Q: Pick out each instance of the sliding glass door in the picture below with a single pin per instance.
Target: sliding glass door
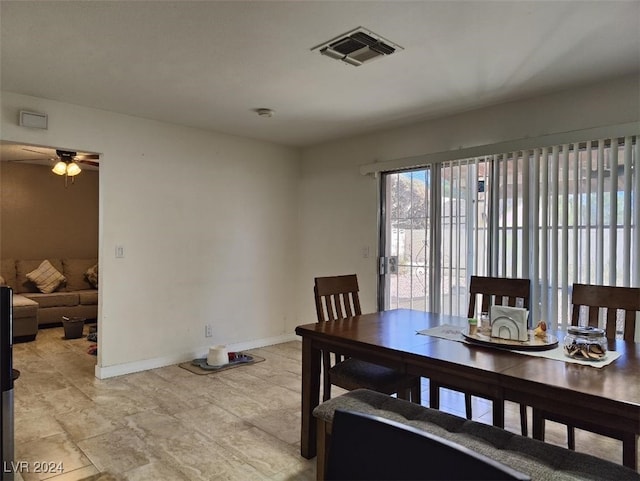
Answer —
(557, 215)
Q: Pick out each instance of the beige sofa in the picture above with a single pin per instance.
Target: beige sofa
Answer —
(75, 297)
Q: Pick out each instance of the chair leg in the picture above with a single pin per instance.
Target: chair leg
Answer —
(571, 438)
(326, 389)
(467, 405)
(416, 393)
(434, 395)
(523, 420)
(538, 425)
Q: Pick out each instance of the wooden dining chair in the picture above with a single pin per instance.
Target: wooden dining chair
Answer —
(491, 291)
(337, 298)
(593, 298)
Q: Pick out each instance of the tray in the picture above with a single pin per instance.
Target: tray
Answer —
(239, 359)
(532, 344)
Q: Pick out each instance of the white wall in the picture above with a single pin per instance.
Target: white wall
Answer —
(208, 224)
(339, 206)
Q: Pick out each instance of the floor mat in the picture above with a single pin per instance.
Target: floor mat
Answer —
(196, 369)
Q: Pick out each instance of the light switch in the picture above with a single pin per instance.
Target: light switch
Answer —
(119, 252)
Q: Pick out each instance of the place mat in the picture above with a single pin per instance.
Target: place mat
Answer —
(557, 354)
(189, 366)
(445, 331)
(454, 333)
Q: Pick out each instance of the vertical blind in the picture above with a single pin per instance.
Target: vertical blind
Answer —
(558, 215)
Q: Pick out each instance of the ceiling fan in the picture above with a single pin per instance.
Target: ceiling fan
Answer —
(68, 162)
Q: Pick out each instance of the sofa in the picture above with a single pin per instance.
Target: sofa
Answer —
(540, 461)
(73, 294)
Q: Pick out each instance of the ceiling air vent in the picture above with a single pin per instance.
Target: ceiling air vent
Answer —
(357, 47)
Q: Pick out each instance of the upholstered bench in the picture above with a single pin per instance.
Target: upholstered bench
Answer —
(541, 461)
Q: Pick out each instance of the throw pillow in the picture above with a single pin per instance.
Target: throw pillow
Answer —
(46, 277)
(92, 276)
(2, 281)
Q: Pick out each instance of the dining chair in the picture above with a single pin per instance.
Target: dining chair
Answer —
(337, 298)
(593, 298)
(491, 291)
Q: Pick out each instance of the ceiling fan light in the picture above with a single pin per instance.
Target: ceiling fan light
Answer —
(60, 168)
(73, 169)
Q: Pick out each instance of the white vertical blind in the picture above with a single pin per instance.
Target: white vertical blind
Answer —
(556, 215)
(565, 214)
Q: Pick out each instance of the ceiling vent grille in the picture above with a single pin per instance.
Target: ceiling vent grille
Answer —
(357, 46)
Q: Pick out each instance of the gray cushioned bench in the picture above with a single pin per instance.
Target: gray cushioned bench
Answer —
(539, 460)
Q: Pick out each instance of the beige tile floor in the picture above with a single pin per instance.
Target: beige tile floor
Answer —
(170, 424)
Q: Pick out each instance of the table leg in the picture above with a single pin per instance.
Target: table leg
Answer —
(630, 451)
(310, 397)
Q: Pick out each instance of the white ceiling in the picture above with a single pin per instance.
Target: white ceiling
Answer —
(209, 64)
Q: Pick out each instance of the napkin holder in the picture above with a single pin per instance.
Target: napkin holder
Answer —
(509, 323)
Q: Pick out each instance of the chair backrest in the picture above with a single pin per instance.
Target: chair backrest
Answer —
(370, 447)
(336, 297)
(611, 299)
(494, 291)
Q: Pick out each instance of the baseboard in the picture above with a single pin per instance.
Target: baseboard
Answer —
(146, 364)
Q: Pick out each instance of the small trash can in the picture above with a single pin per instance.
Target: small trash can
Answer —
(73, 327)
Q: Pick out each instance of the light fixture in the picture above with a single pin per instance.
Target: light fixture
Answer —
(66, 166)
(73, 169)
(60, 168)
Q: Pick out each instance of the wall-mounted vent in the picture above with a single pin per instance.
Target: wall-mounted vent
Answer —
(357, 46)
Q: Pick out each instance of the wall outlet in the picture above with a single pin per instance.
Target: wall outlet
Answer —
(208, 330)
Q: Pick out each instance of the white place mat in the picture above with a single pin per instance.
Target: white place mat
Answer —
(557, 354)
(454, 333)
(445, 331)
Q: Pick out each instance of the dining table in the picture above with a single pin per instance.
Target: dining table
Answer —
(605, 400)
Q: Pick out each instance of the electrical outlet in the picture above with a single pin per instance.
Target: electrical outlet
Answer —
(208, 330)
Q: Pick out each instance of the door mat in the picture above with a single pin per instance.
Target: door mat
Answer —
(194, 366)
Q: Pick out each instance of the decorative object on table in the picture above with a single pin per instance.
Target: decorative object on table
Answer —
(218, 356)
(587, 343)
(533, 343)
(509, 323)
(473, 326)
(236, 359)
(540, 330)
(485, 322)
(73, 327)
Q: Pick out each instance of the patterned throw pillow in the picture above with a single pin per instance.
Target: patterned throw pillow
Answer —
(46, 277)
(92, 276)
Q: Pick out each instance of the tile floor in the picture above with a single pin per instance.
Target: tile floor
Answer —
(170, 424)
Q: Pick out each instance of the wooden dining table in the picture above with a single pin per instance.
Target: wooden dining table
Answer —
(604, 400)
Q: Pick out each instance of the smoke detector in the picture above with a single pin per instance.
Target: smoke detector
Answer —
(265, 112)
(357, 46)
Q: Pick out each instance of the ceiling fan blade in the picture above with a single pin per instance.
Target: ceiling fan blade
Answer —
(30, 160)
(36, 151)
(88, 162)
(86, 157)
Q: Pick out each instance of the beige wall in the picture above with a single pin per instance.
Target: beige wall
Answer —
(208, 225)
(43, 219)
